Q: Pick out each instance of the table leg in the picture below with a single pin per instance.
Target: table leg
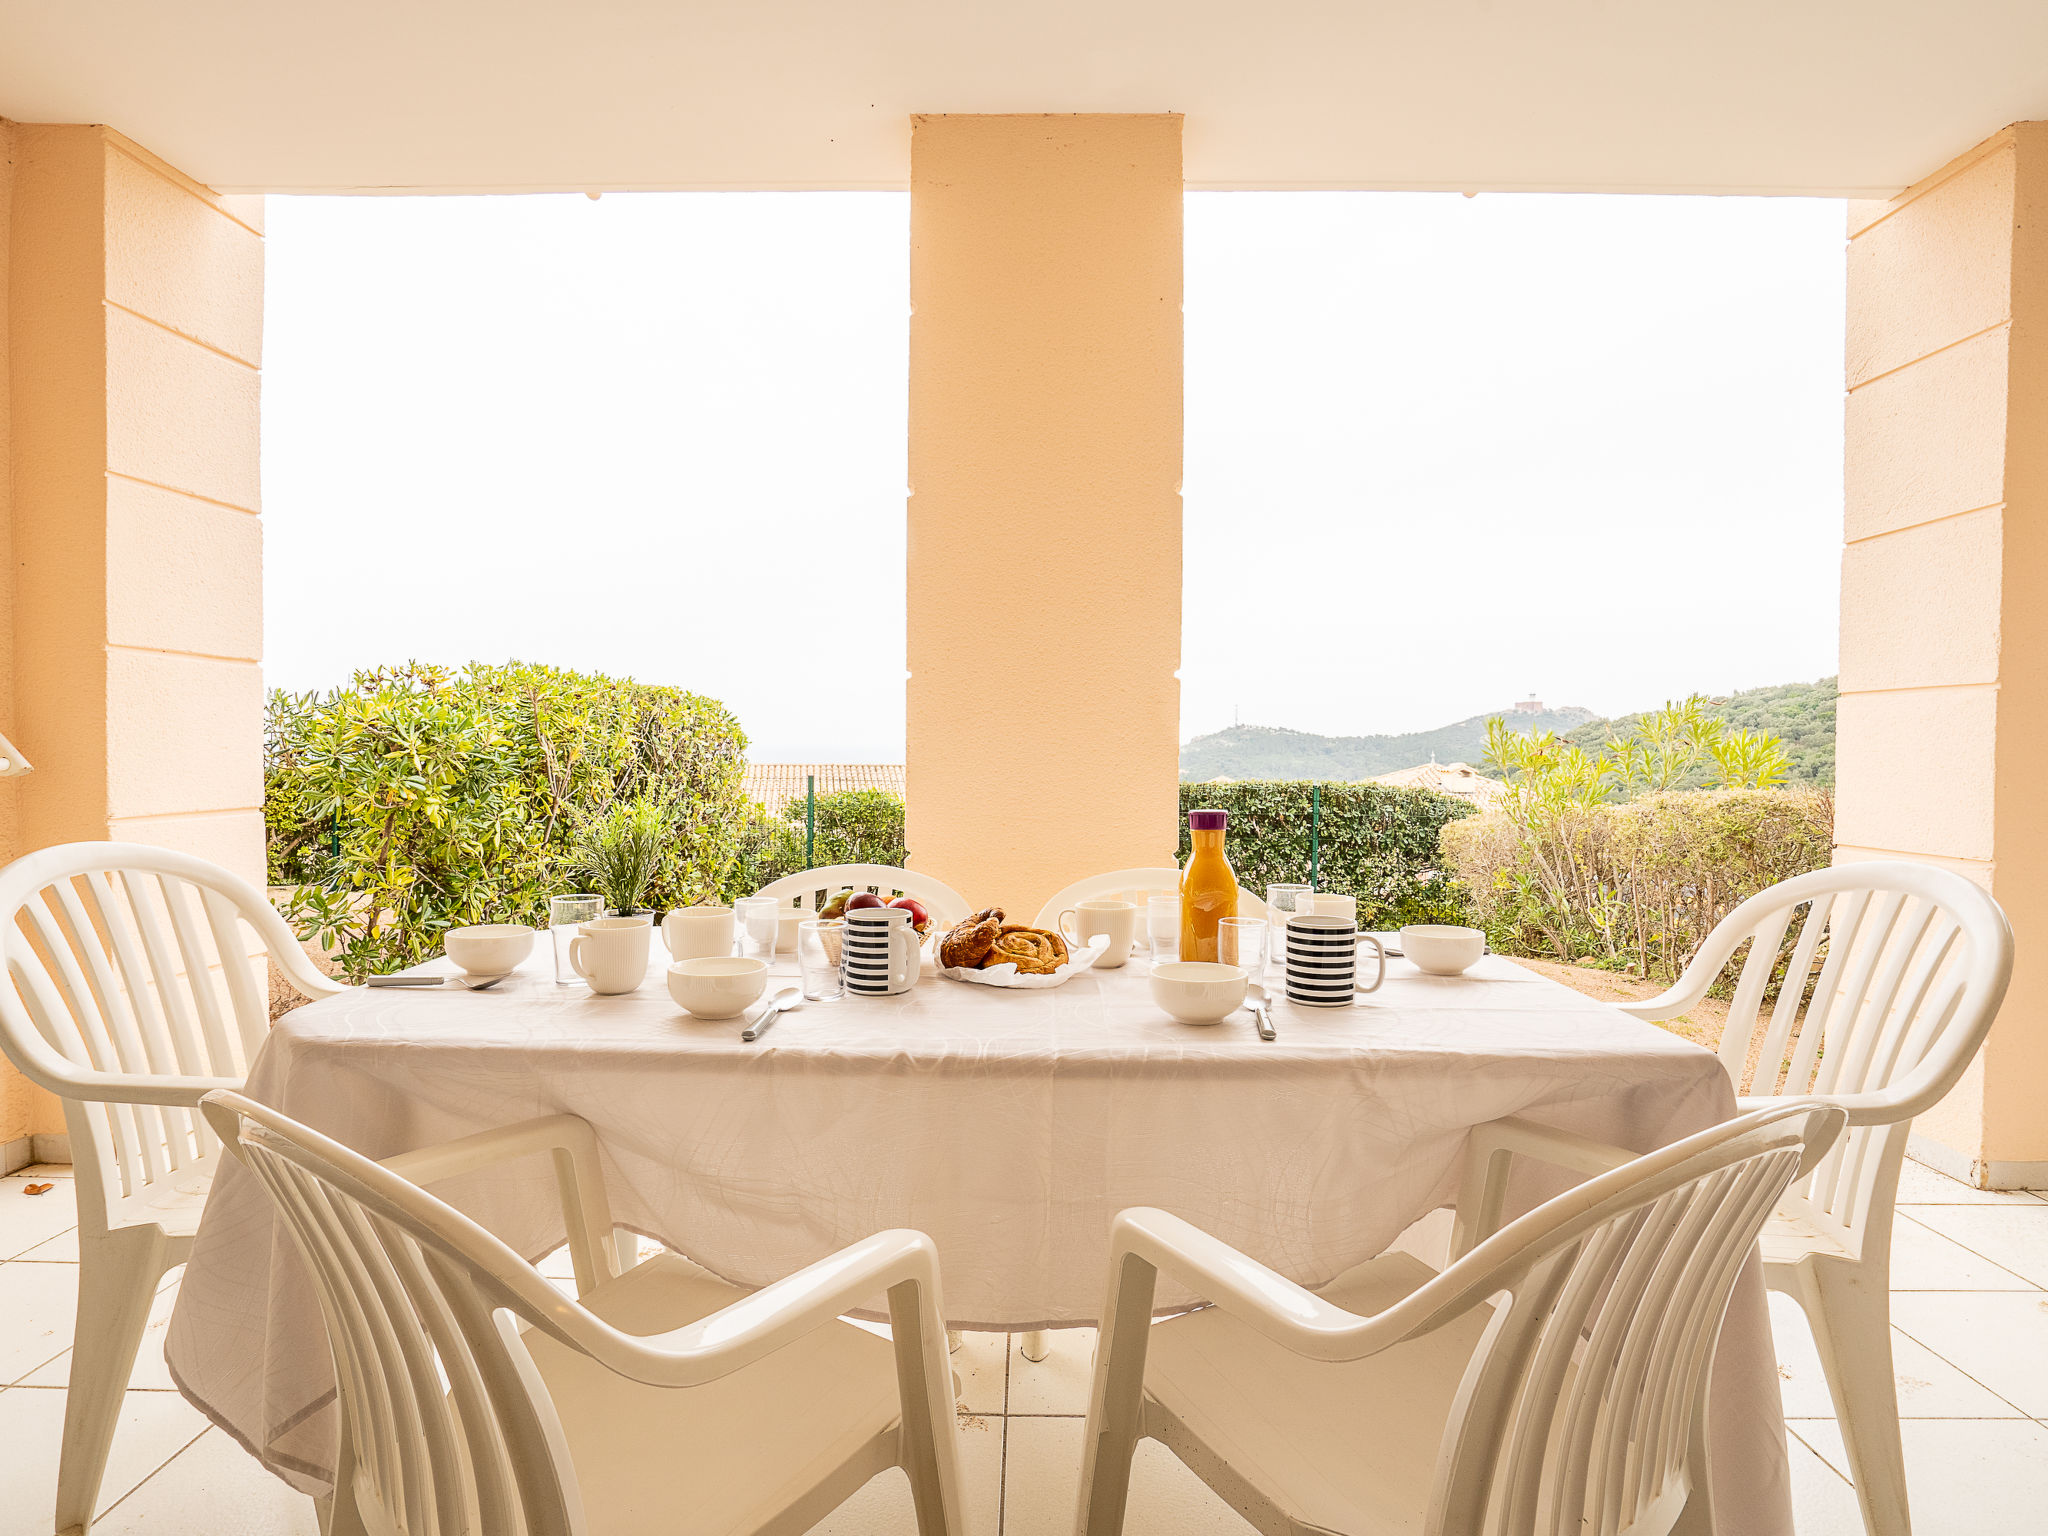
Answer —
(1035, 1346)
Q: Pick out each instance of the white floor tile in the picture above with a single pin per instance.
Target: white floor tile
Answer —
(1823, 1503)
(1998, 1337)
(1059, 1383)
(61, 1249)
(1042, 1481)
(1964, 1477)
(26, 1220)
(1929, 1387)
(37, 1303)
(981, 1366)
(153, 1427)
(2013, 1236)
(1925, 1260)
(883, 1508)
(151, 1374)
(1921, 1185)
(215, 1486)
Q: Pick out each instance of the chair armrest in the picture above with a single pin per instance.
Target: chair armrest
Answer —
(1887, 1107)
(778, 1314)
(579, 1181)
(1483, 1190)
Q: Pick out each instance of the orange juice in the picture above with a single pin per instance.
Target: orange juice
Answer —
(1208, 886)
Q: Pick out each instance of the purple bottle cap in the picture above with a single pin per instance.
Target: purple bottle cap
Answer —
(1208, 821)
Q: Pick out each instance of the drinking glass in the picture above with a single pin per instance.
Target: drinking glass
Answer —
(817, 958)
(1162, 925)
(758, 919)
(1283, 901)
(564, 913)
(1242, 941)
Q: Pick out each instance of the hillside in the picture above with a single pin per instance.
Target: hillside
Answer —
(1270, 752)
(1800, 714)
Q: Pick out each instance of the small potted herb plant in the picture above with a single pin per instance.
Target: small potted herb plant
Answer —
(619, 848)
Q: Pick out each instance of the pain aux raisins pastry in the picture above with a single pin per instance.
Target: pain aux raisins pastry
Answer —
(1034, 951)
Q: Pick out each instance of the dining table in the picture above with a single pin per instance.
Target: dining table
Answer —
(1009, 1124)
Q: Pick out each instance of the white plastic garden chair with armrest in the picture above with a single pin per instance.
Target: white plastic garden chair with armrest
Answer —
(1912, 965)
(1552, 1379)
(812, 888)
(131, 992)
(1132, 885)
(660, 1402)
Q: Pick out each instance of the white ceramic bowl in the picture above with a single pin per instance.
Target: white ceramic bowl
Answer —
(721, 987)
(1198, 991)
(1441, 949)
(488, 949)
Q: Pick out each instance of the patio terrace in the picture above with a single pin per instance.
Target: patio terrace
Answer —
(1969, 1300)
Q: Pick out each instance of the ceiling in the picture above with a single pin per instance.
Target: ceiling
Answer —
(1827, 97)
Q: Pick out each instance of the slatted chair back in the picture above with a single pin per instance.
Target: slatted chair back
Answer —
(1132, 885)
(133, 986)
(812, 888)
(449, 1429)
(1583, 1405)
(1871, 985)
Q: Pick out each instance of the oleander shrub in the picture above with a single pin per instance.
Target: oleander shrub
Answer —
(1376, 842)
(854, 826)
(420, 798)
(1636, 884)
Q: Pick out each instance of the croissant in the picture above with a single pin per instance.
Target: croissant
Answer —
(968, 941)
(1034, 951)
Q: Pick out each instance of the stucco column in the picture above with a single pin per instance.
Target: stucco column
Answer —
(1943, 726)
(1045, 521)
(132, 341)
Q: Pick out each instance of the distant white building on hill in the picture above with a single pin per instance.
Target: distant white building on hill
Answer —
(1459, 780)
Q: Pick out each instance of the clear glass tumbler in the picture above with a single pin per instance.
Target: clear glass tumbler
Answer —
(1283, 901)
(758, 919)
(817, 958)
(564, 913)
(1243, 941)
(1162, 925)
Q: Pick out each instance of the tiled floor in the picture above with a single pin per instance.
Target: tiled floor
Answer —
(1970, 1306)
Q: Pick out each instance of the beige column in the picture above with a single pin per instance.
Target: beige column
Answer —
(1943, 726)
(134, 322)
(1045, 520)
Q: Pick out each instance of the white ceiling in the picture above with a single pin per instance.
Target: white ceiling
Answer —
(1831, 97)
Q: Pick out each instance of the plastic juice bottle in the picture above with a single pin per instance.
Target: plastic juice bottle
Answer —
(1208, 886)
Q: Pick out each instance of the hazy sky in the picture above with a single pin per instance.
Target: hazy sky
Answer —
(1441, 452)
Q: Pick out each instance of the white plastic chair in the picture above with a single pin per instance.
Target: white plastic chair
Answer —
(1406, 1400)
(812, 888)
(131, 992)
(1133, 885)
(478, 1398)
(1912, 964)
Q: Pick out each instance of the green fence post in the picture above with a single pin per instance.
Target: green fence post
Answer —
(810, 819)
(1315, 834)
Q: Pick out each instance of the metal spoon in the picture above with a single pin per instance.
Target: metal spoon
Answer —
(1260, 1005)
(780, 1003)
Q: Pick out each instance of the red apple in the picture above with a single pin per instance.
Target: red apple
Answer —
(860, 899)
(920, 919)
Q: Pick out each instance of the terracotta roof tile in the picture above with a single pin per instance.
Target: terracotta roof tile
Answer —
(776, 784)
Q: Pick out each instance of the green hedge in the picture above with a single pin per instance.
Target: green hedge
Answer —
(1377, 842)
(1636, 885)
(854, 826)
(421, 798)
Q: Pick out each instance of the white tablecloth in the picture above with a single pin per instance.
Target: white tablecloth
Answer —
(1010, 1125)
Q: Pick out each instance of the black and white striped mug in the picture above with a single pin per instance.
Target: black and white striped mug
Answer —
(878, 952)
(1322, 960)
